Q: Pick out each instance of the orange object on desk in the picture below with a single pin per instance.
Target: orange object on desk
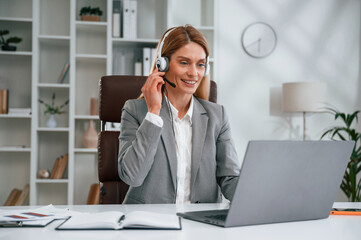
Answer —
(354, 213)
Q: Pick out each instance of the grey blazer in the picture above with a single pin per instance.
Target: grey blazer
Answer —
(147, 159)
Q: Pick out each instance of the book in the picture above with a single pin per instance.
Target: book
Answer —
(18, 197)
(55, 169)
(63, 73)
(13, 196)
(93, 197)
(4, 101)
(117, 10)
(116, 220)
(63, 162)
(1, 101)
(23, 196)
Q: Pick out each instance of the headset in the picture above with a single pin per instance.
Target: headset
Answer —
(162, 63)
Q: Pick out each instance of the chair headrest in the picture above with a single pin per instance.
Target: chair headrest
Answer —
(114, 91)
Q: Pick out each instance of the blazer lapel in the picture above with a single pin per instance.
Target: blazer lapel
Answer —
(199, 130)
(167, 137)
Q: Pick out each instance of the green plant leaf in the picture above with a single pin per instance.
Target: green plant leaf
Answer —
(326, 133)
(13, 40)
(351, 183)
(4, 32)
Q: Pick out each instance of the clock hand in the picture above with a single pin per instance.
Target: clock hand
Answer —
(259, 44)
(253, 43)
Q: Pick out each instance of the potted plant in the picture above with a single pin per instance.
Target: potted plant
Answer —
(53, 110)
(351, 184)
(5, 43)
(90, 14)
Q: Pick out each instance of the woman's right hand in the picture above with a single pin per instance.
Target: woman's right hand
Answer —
(152, 91)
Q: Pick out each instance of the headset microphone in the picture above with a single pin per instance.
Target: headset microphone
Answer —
(170, 83)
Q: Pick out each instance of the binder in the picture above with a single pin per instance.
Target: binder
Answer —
(126, 19)
(146, 61)
(138, 68)
(133, 19)
(117, 18)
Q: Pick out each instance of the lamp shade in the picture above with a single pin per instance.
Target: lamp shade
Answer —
(303, 96)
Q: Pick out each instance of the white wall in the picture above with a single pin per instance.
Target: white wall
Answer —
(318, 40)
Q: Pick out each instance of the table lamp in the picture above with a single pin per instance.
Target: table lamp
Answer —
(305, 97)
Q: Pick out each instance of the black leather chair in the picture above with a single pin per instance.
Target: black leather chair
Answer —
(114, 91)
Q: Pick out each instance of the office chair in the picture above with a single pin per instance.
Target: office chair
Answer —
(114, 91)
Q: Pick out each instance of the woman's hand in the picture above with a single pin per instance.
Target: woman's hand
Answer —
(152, 91)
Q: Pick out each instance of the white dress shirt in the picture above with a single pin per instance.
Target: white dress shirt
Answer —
(183, 140)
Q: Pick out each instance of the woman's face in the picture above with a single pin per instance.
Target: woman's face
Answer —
(187, 67)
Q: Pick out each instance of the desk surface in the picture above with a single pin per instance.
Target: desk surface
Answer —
(334, 227)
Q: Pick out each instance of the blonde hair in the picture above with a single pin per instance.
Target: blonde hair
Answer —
(179, 37)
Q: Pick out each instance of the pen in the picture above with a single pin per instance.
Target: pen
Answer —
(345, 213)
(121, 219)
(11, 223)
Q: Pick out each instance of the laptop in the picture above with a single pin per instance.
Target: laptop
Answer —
(283, 181)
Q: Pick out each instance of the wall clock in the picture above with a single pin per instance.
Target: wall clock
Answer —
(259, 40)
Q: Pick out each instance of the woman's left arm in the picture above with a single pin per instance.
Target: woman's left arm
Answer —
(227, 160)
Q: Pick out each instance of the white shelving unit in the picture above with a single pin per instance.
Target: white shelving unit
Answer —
(54, 35)
(16, 75)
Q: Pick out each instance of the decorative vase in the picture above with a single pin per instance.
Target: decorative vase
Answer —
(94, 106)
(90, 137)
(51, 122)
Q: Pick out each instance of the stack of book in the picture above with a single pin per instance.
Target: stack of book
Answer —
(125, 18)
(20, 111)
(18, 197)
(59, 167)
(4, 101)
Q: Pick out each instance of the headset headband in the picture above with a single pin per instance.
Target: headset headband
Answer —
(162, 42)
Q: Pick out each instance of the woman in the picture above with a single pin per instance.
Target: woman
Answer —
(174, 145)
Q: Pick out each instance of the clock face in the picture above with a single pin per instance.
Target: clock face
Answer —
(259, 40)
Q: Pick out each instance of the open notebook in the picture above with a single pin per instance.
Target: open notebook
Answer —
(116, 220)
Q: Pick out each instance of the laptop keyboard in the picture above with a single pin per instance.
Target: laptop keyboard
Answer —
(221, 217)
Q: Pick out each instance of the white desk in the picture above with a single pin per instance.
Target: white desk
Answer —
(334, 227)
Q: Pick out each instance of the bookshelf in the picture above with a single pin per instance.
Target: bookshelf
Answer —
(53, 35)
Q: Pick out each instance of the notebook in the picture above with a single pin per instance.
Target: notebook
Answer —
(116, 220)
(283, 181)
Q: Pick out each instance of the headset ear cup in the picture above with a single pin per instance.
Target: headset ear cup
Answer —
(166, 65)
(207, 69)
(163, 64)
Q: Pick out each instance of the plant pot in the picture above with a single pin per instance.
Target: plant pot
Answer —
(90, 18)
(8, 48)
(51, 122)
